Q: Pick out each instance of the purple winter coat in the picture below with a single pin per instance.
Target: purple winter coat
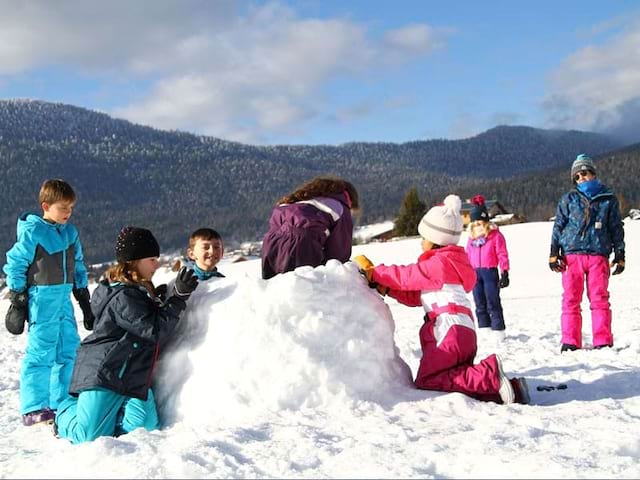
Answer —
(309, 232)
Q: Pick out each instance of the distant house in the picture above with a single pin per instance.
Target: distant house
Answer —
(377, 232)
(497, 213)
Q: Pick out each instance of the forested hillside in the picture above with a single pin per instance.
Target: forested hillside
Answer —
(174, 182)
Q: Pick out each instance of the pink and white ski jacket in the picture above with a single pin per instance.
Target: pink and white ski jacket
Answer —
(439, 281)
(492, 253)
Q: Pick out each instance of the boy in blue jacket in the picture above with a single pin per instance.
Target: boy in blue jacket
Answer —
(43, 268)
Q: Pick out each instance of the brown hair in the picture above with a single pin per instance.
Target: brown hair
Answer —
(126, 272)
(56, 190)
(204, 234)
(320, 186)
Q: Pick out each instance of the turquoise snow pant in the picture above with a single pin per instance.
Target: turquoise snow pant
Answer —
(52, 342)
(103, 413)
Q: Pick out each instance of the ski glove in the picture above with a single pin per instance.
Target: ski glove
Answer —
(366, 268)
(83, 298)
(504, 280)
(161, 292)
(556, 260)
(18, 312)
(618, 261)
(186, 283)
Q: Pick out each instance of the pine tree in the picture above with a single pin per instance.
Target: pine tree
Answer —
(410, 214)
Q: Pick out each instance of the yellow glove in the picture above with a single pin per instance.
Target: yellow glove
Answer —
(365, 265)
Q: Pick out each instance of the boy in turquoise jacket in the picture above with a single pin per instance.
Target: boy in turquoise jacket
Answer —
(43, 268)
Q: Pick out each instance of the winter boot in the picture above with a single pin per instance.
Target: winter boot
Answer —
(568, 347)
(44, 416)
(506, 389)
(521, 390)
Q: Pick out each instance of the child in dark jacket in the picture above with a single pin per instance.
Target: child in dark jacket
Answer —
(487, 250)
(111, 384)
(310, 226)
(43, 268)
(439, 282)
(587, 228)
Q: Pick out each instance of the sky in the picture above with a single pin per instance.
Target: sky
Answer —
(330, 72)
(306, 376)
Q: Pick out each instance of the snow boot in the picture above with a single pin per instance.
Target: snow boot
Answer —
(506, 389)
(568, 347)
(44, 416)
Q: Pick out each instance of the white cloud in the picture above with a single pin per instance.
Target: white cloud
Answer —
(221, 68)
(598, 87)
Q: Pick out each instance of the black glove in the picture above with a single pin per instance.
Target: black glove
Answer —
(18, 312)
(618, 261)
(556, 260)
(84, 300)
(504, 280)
(161, 291)
(186, 283)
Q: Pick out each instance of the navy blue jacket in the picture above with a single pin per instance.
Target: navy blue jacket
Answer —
(588, 226)
(130, 329)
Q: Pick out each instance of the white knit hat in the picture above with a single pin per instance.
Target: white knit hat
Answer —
(442, 224)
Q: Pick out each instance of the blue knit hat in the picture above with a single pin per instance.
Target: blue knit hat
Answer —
(582, 163)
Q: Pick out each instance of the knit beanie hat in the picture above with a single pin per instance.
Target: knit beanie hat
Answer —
(442, 224)
(582, 163)
(136, 243)
(479, 209)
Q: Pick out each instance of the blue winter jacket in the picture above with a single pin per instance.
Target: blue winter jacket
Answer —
(588, 226)
(45, 254)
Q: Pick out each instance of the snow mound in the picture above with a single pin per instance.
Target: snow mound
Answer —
(315, 337)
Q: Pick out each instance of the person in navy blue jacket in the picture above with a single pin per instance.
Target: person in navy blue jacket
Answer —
(43, 268)
(587, 228)
(110, 391)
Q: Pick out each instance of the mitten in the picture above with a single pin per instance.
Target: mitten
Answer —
(186, 283)
(504, 280)
(618, 261)
(83, 298)
(365, 265)
(18, 312)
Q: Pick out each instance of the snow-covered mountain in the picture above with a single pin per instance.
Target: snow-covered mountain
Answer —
(305, 376)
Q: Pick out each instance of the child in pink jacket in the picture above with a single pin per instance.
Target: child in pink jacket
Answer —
(487, 250)
(439, 282)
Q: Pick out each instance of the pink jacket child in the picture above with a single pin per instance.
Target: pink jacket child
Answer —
(439, 282)
(487, 250)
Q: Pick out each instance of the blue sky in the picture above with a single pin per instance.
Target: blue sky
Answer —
(312, 72)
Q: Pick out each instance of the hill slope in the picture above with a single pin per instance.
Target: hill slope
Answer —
(174, 182)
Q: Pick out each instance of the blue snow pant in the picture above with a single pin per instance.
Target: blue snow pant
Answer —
(103, 413)
(486, 295)
(52, 343)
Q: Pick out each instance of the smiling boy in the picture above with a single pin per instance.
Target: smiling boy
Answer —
(205, 251)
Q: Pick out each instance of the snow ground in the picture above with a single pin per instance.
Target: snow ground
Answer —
(305, 376)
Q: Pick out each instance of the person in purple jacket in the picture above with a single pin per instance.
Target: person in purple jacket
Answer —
(487, 250)
(310, 226)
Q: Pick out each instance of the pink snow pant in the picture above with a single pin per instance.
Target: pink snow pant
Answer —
(596, 270)
(449, 367)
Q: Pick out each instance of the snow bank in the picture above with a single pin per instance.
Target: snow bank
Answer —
(313, 338)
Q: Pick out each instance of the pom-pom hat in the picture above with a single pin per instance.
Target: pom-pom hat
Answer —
(135, 243)
(582, 163)
(479, 209)
(442, 224)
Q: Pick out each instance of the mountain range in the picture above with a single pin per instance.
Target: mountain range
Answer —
(174, 182)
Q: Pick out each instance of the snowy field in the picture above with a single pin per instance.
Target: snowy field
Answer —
(305, 376)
